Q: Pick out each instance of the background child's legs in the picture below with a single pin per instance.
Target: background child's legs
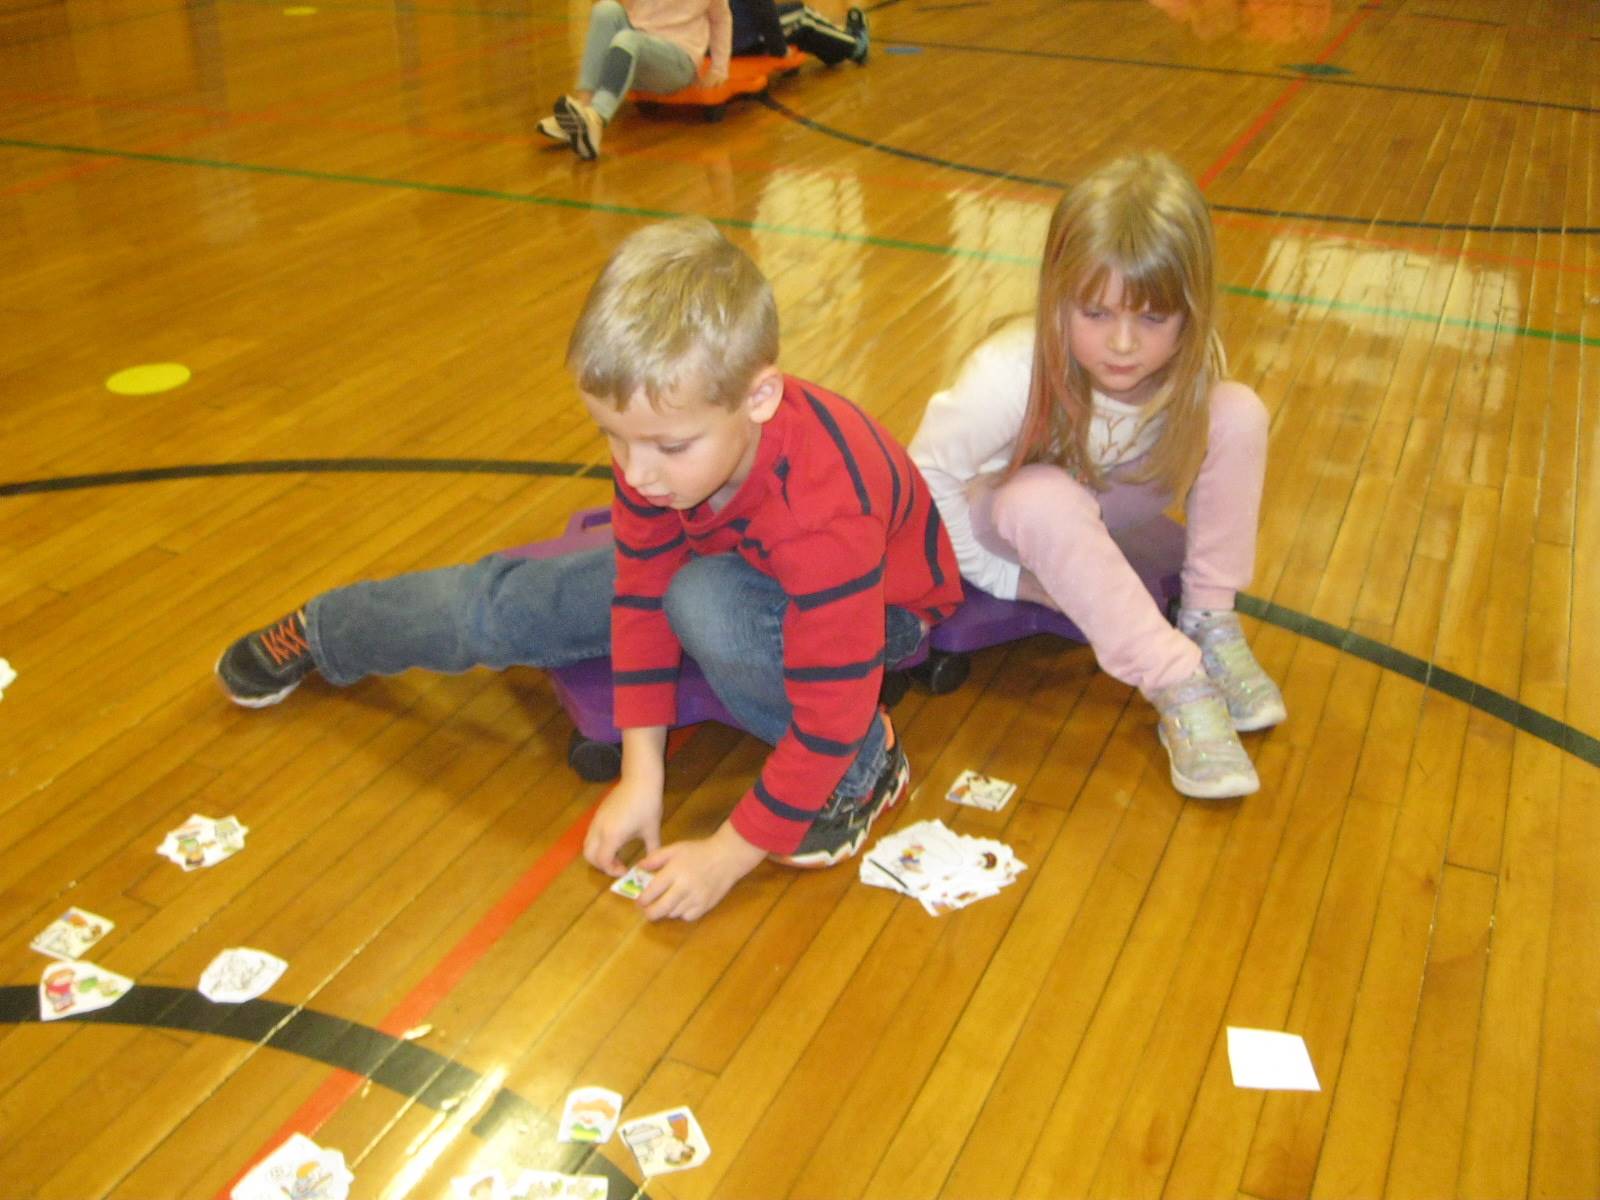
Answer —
(1224, 507)
(1057, 531)
(729, 618)
(616, 56)
(496, 612)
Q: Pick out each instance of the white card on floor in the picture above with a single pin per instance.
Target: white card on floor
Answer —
(1263, 1058)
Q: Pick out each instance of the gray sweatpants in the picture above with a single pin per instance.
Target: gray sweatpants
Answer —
(616, 56)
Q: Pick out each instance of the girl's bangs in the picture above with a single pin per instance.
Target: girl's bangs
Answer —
(1152, 283)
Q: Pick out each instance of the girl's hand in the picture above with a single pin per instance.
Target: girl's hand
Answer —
(714, 76)
(691, 877)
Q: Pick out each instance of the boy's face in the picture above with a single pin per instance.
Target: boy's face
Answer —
(685, 451)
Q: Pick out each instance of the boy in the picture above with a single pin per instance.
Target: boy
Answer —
(769, 529)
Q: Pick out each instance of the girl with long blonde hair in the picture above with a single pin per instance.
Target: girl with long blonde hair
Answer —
(1061, 435)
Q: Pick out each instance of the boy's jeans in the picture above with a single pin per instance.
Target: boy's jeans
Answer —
(549, 612)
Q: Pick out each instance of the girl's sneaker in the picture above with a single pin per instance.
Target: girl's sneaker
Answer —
(263, 667)
(1254, 701)
(551, 128)
(582, 124)
(1208, 759)
(841, 827)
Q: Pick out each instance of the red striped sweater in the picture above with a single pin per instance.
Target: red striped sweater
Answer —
(834, 510)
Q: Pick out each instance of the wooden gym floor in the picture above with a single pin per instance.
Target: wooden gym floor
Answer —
(340, 219)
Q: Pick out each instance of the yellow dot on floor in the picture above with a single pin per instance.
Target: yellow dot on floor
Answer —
(299, 10)
(148, 379)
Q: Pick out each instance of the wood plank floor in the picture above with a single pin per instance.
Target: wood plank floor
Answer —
(340, 218)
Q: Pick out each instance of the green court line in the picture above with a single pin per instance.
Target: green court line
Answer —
(799, 231)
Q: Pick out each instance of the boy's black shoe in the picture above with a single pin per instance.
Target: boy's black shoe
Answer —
(855, 24)
(841, 827)
(263, 667)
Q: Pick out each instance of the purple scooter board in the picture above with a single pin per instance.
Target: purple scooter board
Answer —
(940, 664)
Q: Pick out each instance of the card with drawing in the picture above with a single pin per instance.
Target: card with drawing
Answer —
(203, 842)
(69, 988)
(240, 974)
(977, 790)
(297, 1170)
(71, 934)
(666, 1141)
(590, 1115)
(632, 884)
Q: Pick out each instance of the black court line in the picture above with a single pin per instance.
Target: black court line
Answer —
(1248, 73)
(405, 1068)
(1516, 714)
(309, 466)
(1286, 214)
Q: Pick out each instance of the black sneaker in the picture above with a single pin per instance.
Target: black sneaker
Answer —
(855, 24)
(263, 667)
(842, 825)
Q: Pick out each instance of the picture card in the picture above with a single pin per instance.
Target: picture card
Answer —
(240, 974)
(666, 1141)
(589, 1116)
(632, 884)
(69, 988)
(72, 933)
(480, 1185)
(1264, 1058)
(552, 1185)
(297, 1170)
(977, 790)
(203, 842)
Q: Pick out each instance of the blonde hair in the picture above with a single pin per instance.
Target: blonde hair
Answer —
(1143, 218)
(676, 306)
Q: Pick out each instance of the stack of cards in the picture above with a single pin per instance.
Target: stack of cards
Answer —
(70, 934)
(203, 842)
(980, 791)
(297, 1170)
(940, 869)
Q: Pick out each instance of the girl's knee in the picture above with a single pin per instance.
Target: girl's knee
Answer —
(1039, 494)
(628, 41)
(608, 10)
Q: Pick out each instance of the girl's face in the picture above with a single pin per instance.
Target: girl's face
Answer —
(1124, 350)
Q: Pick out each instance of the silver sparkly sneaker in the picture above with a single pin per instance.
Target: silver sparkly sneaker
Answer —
(1208, 759)
(1254, 701)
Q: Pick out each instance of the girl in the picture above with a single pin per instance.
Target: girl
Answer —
(1064, 432)
(656, 43)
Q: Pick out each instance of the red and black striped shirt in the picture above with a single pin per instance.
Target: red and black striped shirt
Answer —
(835, 511)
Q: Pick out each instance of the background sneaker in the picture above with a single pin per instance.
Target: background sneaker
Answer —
(263, 667)
(551, 128)
(1208, 760)
(1254, 701)
(855, 24)
(582, 125)
(841, 827)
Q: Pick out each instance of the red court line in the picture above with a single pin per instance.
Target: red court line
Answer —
(329, 1098)
(1294, 89)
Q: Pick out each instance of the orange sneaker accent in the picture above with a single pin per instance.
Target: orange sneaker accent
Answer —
(284, 640)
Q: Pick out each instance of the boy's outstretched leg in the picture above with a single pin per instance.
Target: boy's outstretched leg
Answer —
(498, 612)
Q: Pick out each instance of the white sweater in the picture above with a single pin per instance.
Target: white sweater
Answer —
(970, 429)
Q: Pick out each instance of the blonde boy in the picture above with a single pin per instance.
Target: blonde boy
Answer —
(766, 527)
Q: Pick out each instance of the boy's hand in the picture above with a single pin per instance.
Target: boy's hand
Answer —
(626, 813)
(632, 809)
(691, 877)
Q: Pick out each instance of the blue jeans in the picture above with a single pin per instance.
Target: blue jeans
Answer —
(549, 612)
